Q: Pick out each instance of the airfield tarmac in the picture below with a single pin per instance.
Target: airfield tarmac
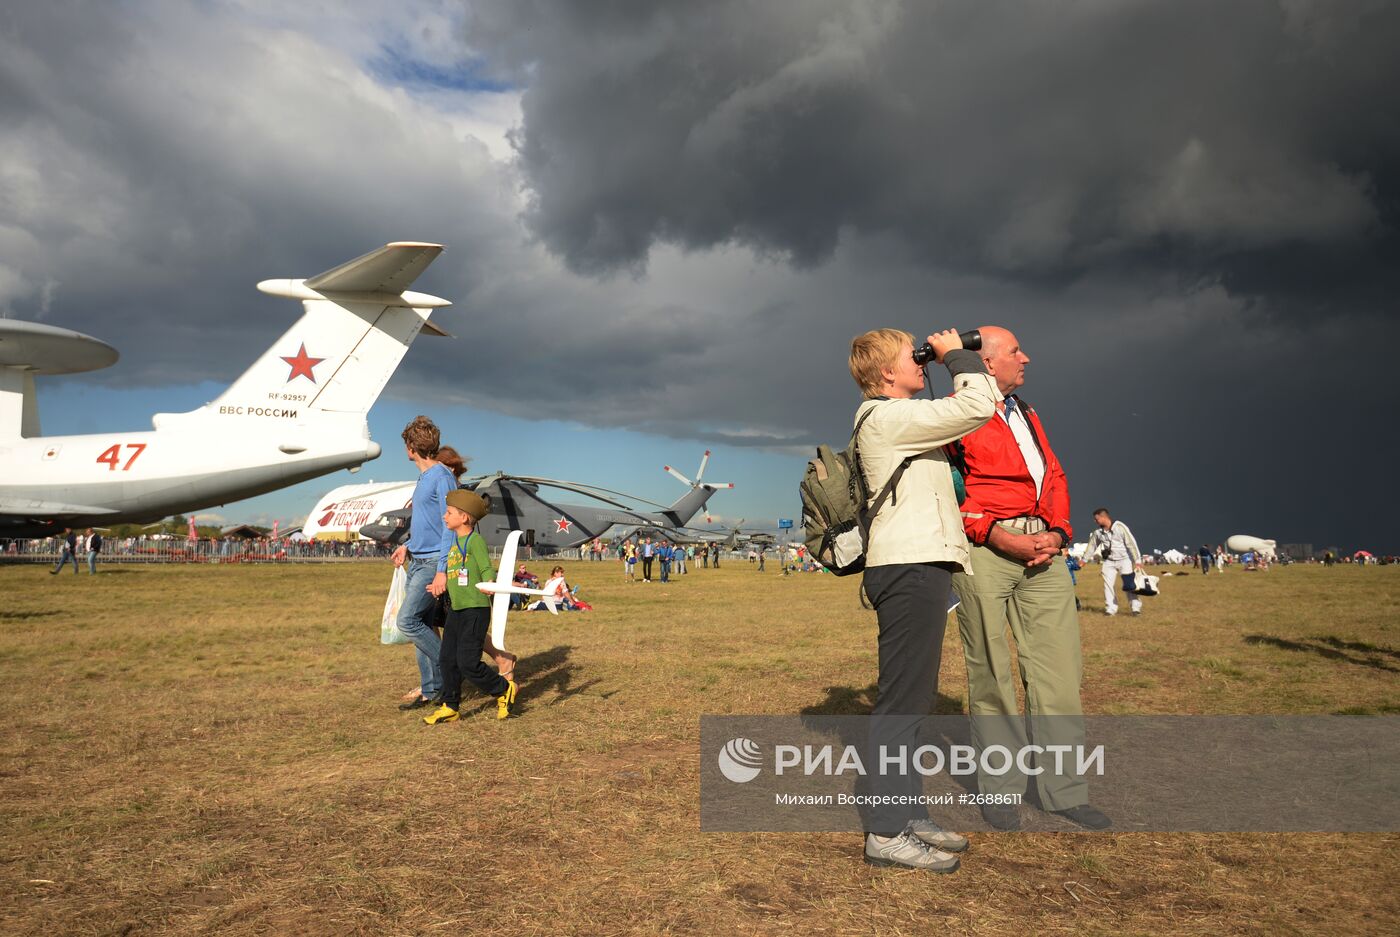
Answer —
(217, 750)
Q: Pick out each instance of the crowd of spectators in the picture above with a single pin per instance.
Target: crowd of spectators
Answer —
(202, 550)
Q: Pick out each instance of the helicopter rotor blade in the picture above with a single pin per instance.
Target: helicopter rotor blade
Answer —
(700, 472)
(597, 497)
(679, 477)
(591, 491)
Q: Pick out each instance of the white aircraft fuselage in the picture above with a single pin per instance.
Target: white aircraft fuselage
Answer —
(116, 478)
(298, 413)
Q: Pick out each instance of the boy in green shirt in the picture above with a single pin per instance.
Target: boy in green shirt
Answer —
(464, 633)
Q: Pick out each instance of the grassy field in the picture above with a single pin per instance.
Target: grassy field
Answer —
(218, 750)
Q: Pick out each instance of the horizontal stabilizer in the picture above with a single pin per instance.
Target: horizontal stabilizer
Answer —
(390, 269)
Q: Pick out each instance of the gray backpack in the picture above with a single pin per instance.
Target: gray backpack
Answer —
(835, 524)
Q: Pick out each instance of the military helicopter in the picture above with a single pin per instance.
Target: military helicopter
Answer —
(518, 502)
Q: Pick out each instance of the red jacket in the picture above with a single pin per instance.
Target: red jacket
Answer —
(1000, 486)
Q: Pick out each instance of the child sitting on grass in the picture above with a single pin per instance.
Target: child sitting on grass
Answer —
(563, 596)
(464, 633)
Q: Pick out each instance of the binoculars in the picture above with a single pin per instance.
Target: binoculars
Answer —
(971, 339)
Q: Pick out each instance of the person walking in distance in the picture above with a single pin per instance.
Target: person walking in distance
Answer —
(94, 547)
(1118, 555)
(70, 552)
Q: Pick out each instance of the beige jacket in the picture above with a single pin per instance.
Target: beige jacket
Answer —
(920, 522)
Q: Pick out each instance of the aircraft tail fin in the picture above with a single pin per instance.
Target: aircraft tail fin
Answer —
(733, 539)
(690, 503)
(358, 322)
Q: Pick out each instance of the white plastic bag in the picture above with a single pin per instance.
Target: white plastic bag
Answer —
(389, 632)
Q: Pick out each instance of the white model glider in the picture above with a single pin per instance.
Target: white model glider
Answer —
(504, 587)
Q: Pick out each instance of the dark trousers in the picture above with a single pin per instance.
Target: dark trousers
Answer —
(911, 605)
(463, 637)
(646, 566)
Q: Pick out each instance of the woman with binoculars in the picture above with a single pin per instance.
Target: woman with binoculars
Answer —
(915, 544)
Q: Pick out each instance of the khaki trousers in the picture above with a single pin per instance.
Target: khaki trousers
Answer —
(1038, 606)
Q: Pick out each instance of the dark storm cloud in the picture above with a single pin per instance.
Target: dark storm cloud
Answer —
(164, 160)
(1028, 141)
(1185, 211)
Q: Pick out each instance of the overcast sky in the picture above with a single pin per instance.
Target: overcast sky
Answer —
(665, 222)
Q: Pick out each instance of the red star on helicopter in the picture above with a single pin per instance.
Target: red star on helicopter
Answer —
(562, 525)
(302, 364)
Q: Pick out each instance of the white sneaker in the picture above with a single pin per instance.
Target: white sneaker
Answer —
(936, 836)
(908, 851)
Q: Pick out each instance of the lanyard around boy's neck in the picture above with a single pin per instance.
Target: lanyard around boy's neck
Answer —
(462, 544)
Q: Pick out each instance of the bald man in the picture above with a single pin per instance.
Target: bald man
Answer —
(1016, 516)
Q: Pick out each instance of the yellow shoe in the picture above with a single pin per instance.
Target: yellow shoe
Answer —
(443, 713)
(505, 699)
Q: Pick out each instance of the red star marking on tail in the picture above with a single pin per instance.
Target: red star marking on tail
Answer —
(562, 525)
(302, 364)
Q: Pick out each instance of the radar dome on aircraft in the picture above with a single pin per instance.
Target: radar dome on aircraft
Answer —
(30, 348)
(45, 349)
(1243, 543)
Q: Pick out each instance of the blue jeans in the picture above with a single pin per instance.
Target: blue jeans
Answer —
(63, 561)
(415, 621)
(92, 561)
(665, 570)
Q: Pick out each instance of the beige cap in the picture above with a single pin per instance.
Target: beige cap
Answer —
(469, 502)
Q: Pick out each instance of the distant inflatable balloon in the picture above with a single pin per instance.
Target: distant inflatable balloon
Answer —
(1243, 543)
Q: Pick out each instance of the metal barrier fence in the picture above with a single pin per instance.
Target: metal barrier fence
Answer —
(152, 550)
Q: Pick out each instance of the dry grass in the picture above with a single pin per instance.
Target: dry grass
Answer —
(218, 751)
